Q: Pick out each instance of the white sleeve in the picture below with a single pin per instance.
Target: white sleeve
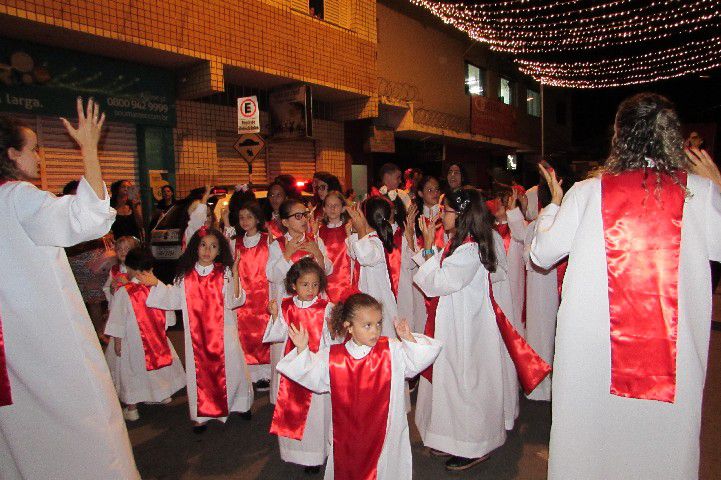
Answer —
(517, 224)
(197, 220)
(107, 288)
(420, 355)
(166, 297)
(307, 368)
(326, 340)
(231, 301)
(713, 222)
(276, 331)
(64, 221)
(369, 251)
(277, 267)
(456, 272)
(532, 208)
(119, 311)
(328, 264)
(555, 230)
(349, 242)
(501, 272)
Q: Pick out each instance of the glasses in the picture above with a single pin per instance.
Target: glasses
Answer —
(299, 215)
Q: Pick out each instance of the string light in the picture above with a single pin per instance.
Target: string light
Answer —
(540, 27)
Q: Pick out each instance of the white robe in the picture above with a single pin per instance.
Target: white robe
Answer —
(65, 421)
(596, 435)
(237, 378)
(197, 219)
(133, 382)
(462, 411)
(541, 310)
(108, 287)
(276, 270)
(312, 450)
(532, 208)
(517, 264)
(408, 359)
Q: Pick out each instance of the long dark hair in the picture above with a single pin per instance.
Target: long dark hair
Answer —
(474, 220)
(647, 135)
(115, 191)
(265, 202)
(419, 201)
(377, 211)
(300, 268)
(254, 208)
(330, 180)
(464, 176)
(11, 136)
(187, 261)
(345, 311)
(238, 198)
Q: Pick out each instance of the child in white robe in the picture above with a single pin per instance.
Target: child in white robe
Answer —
(293, 245)
(207, 292)
(126, 354)
(355, 389)
(307, 281)
(118, 275)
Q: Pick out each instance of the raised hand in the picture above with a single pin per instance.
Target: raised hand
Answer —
(428, 230)
(273, 309)
(512, 199)
(553, 184)
(292, 246)
(358, 220)
(90, 124)
(147, 278)
(703, 165)
(312, 247)
(403, 330)
(225, 214)
(299, 337)
(313, 223)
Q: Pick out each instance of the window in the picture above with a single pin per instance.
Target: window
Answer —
(511, 161)
(475, 81)
(505, 91)
(533, 103)
(315, 8)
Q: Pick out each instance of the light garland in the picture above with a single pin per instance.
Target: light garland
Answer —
(540, 27)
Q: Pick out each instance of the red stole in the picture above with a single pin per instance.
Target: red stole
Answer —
(432, 308)
(393, 261)
(118, 278)
(298, 253)
(5, 393)
(341, 279)
(530, 367)
(151, 323)
(642, 232)
(206, 322)
(274, 229)
(291, 408)
(253, 315)
(360, 393)
(505, 231)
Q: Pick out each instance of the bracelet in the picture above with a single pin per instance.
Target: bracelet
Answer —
(428, 252)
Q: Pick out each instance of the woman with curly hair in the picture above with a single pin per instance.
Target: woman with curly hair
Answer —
(633, 326)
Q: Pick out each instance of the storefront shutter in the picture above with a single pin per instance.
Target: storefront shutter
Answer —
(294, 157)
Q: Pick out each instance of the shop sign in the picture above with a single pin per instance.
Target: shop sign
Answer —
(493, 118)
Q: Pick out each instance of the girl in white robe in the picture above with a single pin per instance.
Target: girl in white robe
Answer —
(413, 353)
(64, 420)
(206, 247)
(118, 274)
(596, 434)
(461, 412)
(306, 280)
(295, 244)
(133, 381)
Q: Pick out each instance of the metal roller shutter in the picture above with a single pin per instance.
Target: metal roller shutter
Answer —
(232, 169)
(294, 157)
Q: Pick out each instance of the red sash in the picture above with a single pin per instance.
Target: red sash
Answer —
(340, 281)
(360, 393)
(253, 315)
(642, 232)
(291, 408)
(530, 367)
(117, 277)
(206, 311)
(505, 231)
(151, 323)
(299, 253)
(274, 229)
(431, 309)
(393, 261)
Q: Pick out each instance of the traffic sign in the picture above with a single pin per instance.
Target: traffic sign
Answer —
(248, 115)
(249, 146)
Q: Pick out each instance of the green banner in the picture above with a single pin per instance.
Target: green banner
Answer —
(36, 79)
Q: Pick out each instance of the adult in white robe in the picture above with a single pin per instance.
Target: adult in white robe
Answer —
(596, 435)
(237, 378)
(462, 411)
(276, 270)
(408, 359)
(133, 381)
(65, 421)
(312, 450)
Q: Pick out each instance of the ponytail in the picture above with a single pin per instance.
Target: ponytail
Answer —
(378, 212)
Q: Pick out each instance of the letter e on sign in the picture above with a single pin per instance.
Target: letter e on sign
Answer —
(248, 115)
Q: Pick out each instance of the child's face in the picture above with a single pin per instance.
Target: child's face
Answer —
(276, 196)
(208, 250)
(392, 179)
(448, 218)
(297, 226)
(499, 211)
(247, 221)
(454, 177)
(121, 250)
(365, 326)
(307, 286)
(333, 208)
(430, 193)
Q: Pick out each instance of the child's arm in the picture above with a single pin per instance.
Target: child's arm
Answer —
(277, 329)
(277, 267)
(164, 297)
(517, 224)
(233, 291)
(419, 351)
(107, 288)
(457, 271)
(307, 368)
(501, 272)
(369, 251)
(117, 318)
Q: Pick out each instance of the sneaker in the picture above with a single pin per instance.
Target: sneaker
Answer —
(262, 385)
(131, 415)
(314, 470)
(457, 464)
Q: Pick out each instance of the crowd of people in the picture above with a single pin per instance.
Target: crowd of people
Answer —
(342, 306)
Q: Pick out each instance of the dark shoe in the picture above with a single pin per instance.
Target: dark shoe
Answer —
(198, 429)
(246, 415)
(456, 464)
(262, 385)
(312, 470)
(438, 453)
